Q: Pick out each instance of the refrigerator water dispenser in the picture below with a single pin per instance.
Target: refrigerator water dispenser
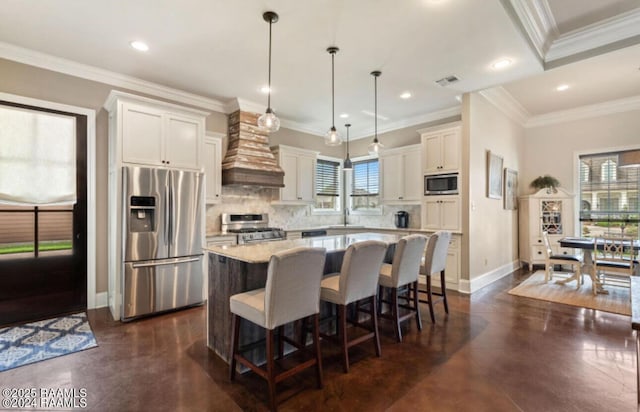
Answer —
(142, 213)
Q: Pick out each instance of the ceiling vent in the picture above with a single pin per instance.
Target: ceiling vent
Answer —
(445, 81)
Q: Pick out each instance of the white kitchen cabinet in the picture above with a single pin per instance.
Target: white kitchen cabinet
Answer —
(213, 167)
(154, 133)
(441, 213)
(401, 175)
(539, 212)
(299, 167)
(441, 150)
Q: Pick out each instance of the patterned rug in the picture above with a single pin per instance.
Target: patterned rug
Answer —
(617, 301)
(46, 339)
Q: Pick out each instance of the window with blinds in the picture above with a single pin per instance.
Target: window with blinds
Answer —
(609, 196)
(327, 185)
(365, 185)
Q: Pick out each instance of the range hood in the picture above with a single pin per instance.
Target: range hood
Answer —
(249, 161)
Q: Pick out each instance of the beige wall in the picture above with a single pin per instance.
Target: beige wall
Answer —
(553, 149)
(490, 239)
(29, 81)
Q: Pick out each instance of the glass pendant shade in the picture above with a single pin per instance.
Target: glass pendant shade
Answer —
(347, 162)
(375, 147)
(333, 138)
(269, 121)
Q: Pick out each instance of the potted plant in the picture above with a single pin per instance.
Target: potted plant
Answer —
(546, 182)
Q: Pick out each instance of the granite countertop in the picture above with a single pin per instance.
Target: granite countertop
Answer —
(635, 303)
(361, 227)
(261, 252)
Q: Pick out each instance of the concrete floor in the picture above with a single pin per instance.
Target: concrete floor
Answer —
(494, 352)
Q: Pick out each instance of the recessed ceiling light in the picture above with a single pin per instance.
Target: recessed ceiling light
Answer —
(265, 89)
(405, 95)
(459, 98)
(344, 115)
(139, 45)
(562, 87)
(501, 64)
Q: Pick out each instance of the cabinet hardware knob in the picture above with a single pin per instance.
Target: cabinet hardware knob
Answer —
(539, 252)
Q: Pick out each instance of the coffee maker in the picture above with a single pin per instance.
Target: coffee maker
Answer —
(402, 219)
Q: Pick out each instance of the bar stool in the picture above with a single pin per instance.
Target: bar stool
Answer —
(435, 260)
(402, 272)
(292, 292)
(357, 280)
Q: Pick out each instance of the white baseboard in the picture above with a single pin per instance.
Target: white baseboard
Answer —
(101, 300)
(488, 278)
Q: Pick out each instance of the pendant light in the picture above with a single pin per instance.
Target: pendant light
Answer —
(375, 147)
(269, 121)
(347, 161)
(332, 138)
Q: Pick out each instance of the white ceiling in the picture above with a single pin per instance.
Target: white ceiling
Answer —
(218, 50)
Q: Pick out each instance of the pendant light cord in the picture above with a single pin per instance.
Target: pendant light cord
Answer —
(269, 94)
(333, 98)
(375, 105)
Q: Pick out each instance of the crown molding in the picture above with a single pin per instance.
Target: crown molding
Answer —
(299, 127)
(60, 65)
(507, 104)
(244, 105)
(534, 20)
(614, 29)
(412, 121)
(585, 112)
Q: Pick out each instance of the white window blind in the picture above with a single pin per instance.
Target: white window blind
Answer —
(365, 183)
(37, 157)
(608, 193)
(327, 178)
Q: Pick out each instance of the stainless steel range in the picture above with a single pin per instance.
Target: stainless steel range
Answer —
(250, 227)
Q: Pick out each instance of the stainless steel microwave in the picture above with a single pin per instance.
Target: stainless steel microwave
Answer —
(446, 184)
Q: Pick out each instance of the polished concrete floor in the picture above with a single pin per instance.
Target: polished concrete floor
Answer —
(494, 352)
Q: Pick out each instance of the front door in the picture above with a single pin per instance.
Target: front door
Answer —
(43, 229)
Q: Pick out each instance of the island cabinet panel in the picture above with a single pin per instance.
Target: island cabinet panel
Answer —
(240, 268)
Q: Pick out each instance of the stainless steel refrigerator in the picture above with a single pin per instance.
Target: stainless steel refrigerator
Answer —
(162, 244)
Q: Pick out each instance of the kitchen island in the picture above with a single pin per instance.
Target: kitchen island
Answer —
(239, 268)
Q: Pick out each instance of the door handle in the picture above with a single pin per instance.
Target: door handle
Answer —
(164, 263)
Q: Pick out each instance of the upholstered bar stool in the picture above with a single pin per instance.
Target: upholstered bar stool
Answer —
(292, 292)
(435, 261)
(403, 272)
(357, 281)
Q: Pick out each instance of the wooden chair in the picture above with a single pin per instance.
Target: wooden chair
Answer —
(435, 261)
(357, 281)
(402, 272)
(615, 260)
(292, 292)
(552, 259)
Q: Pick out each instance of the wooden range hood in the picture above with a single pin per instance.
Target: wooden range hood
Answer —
(249, 161)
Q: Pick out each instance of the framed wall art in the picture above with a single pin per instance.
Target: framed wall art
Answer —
(494, 175)
(510, 189)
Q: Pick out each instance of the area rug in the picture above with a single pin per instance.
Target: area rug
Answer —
(46, 339)
(617, 301)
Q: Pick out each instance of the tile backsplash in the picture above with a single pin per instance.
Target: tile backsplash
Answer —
(236, 199)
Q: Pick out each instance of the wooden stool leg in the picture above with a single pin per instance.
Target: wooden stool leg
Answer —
(443, 287)
(430, 299)
(316, 344)
(416, 304)
(271, 375)
(395, 313)
(380, 292)
(374, 320)
(235, 332)
(342, 325)
(303, 332)
(280, 341)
